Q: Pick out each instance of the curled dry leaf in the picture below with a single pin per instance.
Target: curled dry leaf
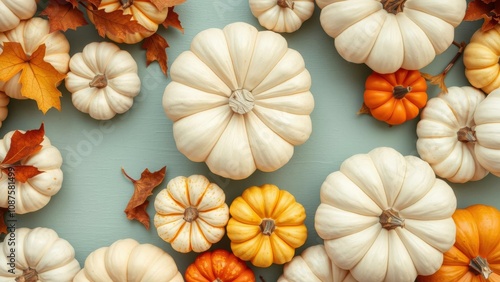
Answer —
(39, 79)
(143, 188)
(487, 10)
(23, 145)
(64, 15)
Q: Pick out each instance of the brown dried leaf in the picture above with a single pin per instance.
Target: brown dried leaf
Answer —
(155, 46)
(487, 10)
(173, 20)
(115, 23)
(143, 188)
(63, 16)
(74, 3)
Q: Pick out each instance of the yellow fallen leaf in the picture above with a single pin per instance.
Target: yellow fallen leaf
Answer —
(39, 79)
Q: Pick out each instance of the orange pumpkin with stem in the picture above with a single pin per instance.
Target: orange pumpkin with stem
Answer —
(475, 257)
(218, 266)
(395, 97)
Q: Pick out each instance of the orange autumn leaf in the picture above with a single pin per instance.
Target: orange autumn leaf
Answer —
(23, 145)
(173, 20)
(162, 4)
(39, 79)
(3, 224)
(487, 10)
(116, 23)
(63, 15)
(143, 188)
(155, 46)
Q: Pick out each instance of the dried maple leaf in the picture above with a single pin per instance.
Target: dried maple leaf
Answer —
(155, 46)
(3, 224)
(162, 4)
(63, 15)
(173, 20)
(143, 188)
(74, 3)
(39, 79)
(489, 11)
(116, 23)
(23, 145)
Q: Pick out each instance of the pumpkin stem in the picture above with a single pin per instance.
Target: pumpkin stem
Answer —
(241, 101)
(480, 265)
(29, 275)
(190, 214)
(466, 134)
(393, 6)
(267, 226)
(390, 219)
(399, 92)
(99, 81)
(126, 3)
(439, 79)
(285, 4)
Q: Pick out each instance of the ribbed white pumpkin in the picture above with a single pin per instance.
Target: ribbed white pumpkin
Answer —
(13, 11)
(282, 15)
(38, 190)
(314, 265)
(487, 132)
(239, 100)
(390, 34)
(39, 255)
(386, 217)
(127, 260)
(446, 134)
(103, 80)
(31, 34)
(4, 111)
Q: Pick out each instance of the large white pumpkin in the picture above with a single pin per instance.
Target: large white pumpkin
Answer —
(37, 191)
(239, 100)
(37, 254)
(386, 217)
(390, 34)
(446, 137)
(127, 260)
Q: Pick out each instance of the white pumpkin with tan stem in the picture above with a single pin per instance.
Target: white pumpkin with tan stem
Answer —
(391, 34)
(282, 15)
(13, 11)
(191, 213)
(446, 137)
(37, 191)
(40, 255)
(127, 260)
(487, 132)
(103, 80)
(4, 111)
(386, 217)
(314, 265)
(239, 100)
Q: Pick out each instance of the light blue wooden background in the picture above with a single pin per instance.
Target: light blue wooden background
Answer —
(88, 211)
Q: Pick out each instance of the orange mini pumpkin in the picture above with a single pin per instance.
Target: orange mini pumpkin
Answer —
(475, 257)
(395, 97)
(218, 265)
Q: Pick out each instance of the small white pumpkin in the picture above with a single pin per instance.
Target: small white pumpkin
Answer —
(386, 217)
(239, 100)
(191, 213)
(35, 193)
(390, 34)
(103, 80)
(282, 15)
(31, 34)
(487, 132)
(13, 11)
(37, 254)
(314, 265)
(128, 261)
(446, 137)
(4, 111)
